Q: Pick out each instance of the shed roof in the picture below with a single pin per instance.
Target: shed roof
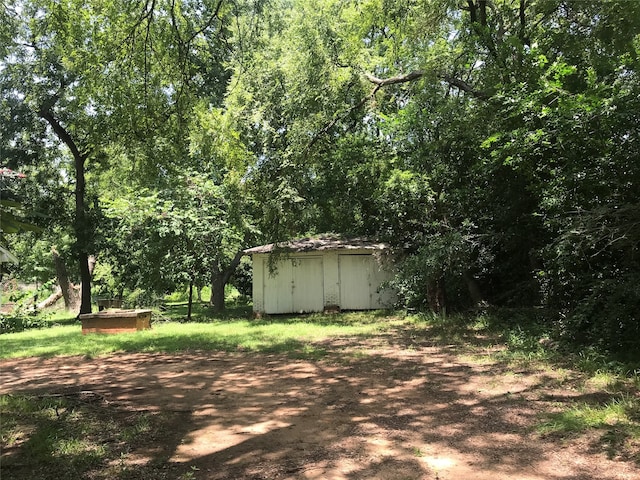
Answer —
(6, 256)
(320, 243)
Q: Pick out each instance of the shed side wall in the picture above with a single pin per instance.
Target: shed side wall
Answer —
(257, 289)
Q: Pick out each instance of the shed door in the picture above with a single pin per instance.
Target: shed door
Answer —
(308, 284)
(277, 288)
(355, 282)
(298, 286)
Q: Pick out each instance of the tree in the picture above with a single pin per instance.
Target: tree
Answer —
(100, 78)
(49, 80)
(481, 121)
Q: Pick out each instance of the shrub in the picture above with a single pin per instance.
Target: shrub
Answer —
(608, 317)
(141, 297)
(19, 321)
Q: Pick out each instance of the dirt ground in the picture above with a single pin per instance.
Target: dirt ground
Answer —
(373, 410)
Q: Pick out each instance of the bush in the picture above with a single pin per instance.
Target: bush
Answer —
(141, 297)
(17, 322)
(608, 318)
(242, 278)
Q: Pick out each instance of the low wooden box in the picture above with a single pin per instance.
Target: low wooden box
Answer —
(115, 321)
(105, 303)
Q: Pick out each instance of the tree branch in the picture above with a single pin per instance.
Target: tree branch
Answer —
(383, 82)
(332, 123)
(379, 83)
(471, 8)
(523, 23)
(482, 7)
(409, 77)
(465, 87)
(208, 23)
(60, 131)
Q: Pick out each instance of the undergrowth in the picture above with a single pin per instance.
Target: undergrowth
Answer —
(20, 321)
(74, 435)
(613, 413)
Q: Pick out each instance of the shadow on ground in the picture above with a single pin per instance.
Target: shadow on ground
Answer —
(385, 413)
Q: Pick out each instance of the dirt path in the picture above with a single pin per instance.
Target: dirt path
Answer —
(384, 413)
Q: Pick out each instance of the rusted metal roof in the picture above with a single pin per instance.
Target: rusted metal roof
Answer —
(319, 243)
(8, 173)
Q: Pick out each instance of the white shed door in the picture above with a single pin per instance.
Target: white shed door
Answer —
(355, 282)
(298, 286)
(278, 288)
(308, 284)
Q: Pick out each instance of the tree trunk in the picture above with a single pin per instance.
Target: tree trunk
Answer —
(51, 299)
(82, 235)
(217, 291)
(66, 287)
(437, 295)
(85, 286)
(474, 289)
(219, 279)
(190, 303)
(523, 23)
(82, 228)
(482, 10)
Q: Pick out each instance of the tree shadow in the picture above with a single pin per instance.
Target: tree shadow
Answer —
(412, 414)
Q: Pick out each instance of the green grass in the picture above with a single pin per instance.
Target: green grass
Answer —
(294, 335)
(616, 424)
(619, 412)
(49, 438)
(50, 433)
(60, 434)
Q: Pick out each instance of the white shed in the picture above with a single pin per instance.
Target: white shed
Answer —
(321, 273)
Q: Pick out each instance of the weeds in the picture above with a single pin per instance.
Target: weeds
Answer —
(60, 436)
(49, 435)
(20, 321)
(619, 412)
(140, 426)
(617, 420)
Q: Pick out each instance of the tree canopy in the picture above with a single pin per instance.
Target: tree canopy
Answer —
(494, 144)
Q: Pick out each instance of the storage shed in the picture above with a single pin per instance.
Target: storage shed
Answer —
(321, 273)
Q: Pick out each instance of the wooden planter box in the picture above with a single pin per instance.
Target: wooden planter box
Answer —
(116, 321)
(105, 303)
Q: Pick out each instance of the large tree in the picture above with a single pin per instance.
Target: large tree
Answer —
(46, 81)
(105, 78)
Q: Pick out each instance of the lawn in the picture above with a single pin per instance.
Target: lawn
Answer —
(285, 334)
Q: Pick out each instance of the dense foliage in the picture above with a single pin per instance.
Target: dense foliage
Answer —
(494, 144)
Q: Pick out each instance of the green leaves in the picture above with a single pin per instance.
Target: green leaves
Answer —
(11, 220)
(466, 134)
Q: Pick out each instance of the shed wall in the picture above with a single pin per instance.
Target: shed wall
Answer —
(312, 281)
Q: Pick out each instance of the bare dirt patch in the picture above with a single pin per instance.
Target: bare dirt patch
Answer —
(371, 411)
